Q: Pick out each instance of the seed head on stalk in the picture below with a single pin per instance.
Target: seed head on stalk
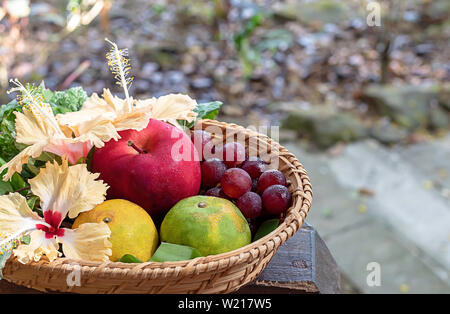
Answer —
(30, 97)
(119, 64)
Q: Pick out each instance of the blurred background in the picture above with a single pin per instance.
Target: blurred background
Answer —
(365, 108)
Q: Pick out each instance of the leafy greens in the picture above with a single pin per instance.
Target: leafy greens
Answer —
(60, 102)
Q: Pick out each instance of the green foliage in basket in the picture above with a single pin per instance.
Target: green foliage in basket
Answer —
(128, 258)
(60, 102)
(166, 252)
(8, 146)
(65, 101)
(207, 110)
(16, 183)
(266, 227)
(174, 252)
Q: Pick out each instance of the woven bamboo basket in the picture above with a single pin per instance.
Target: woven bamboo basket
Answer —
(222, 273)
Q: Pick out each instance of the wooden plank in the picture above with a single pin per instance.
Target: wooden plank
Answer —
(301, 265)
(10, 288)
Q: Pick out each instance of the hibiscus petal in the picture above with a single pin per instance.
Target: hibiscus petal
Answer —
(39, 246)
(73, 119)
(43, 137)
(98, 132)
(90, 191)
(88, 242)
(100, 119)
(94, 101)
(137, 119)
(28, 130)
(65, 189)
(117, 104)
(172, 106)
(15, 164)
(15, 215)
(73, 151)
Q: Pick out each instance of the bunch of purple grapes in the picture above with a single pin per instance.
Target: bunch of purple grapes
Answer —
(259, 192)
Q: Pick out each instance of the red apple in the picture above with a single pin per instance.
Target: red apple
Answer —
(154, 168)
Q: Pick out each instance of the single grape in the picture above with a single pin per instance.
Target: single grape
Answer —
(203, 143)
(223, 195)
(236, 182)
(212, 171)
(250, 205)
(254, 225)
(269, 178)
(233, 154)
(276, 199)
(214, 192)
(217, 192)
(254, 166)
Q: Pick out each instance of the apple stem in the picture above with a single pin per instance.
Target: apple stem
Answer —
(139, 150)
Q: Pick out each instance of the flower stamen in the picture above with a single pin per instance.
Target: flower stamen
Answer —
(119, 64)
(31, 98)
(12, 241)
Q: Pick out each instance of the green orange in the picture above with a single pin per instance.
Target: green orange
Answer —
(212, 225)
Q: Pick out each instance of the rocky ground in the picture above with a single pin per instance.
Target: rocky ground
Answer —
(312, 66)
(384, 205)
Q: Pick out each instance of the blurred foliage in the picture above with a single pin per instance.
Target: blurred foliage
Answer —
(248, 56)
(257, 56)
(249, 51)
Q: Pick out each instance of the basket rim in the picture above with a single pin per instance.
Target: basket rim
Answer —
(292, 222)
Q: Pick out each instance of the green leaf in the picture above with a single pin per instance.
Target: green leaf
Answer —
(266, 227)
(8, 148)
(32, 168)
(32, 201)
(208, 110)
(211, 115)
(65, 101)
(3, 259)
(46, 156)
(174, 252)
(48, 94)
(26, 239)
(17, 182)
(89, 158)
(244, 34)
(5, 187)
(128, 258)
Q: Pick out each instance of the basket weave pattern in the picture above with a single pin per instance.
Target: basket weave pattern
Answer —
(222, 273)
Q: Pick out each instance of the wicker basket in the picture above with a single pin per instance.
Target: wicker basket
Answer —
(222, 273)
